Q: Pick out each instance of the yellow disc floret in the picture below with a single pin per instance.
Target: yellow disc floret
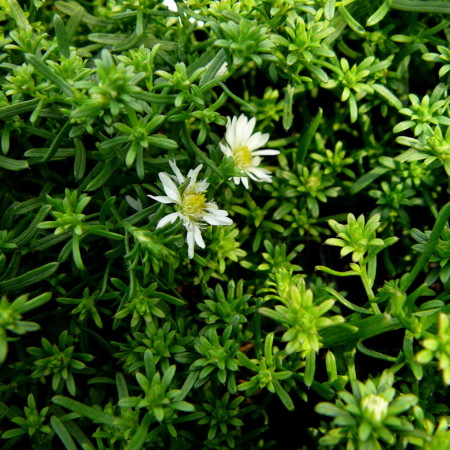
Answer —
(242, 157)
(193, 204)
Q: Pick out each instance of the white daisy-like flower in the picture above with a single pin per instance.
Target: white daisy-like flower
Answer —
(242, 145)
(193, 209)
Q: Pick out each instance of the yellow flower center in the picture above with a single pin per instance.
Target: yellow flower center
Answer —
(193, 204)
(242, 157)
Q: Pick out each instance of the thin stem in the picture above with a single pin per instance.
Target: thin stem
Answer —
(368, 288)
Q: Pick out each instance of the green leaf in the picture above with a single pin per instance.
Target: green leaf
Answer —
(137, 441)
(346, 303)
(310, 368)
(329, 9)
(283, 395)
(387, 95)
(62, 433)
(73, 8)
(28, 234)
(86, 411)
(306, 139)
(28, 278)
(350, 21)
(79, 166)
(18, 14)
(35, 302)
(107, 171)
(328, 409)
(48, 73)
(212, 68)
(57, 141)
(61, 36)
(287, 109)
(18, 108)
(130, 41)
(379, 14)
(440, 7)
(367, 179)
(13, 164)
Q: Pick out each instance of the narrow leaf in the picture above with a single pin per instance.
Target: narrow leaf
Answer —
(305, 140)
(379, 14)
(62, 433)
(18, 108)
(12, 164)
(61, 36)
(137, 441)
(29, 278)
(367, 179)
(287, 109)
(18, 14)
(84, 410)
(351, 21)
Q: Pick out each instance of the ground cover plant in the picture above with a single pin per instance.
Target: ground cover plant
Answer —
(224, 224)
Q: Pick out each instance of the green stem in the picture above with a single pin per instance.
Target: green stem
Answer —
(351, 367)
(434, 238)
(368, 288)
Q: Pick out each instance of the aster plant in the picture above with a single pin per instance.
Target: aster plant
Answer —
(175, 179)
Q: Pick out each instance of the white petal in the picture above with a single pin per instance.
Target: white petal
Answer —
(230, 134)
(225, 149)
(198, 237)
(237, 180)
(135, 204)
(244, 129)
(162, 199)
(258, 174)
(192, 174)
(202, 186)
(170, 187)
(176, 171)
(170, 218)
(257, 141)
(211, 207)
(214, 219)
(245, 182)
(170, 4)
(266, 152)
(190, 242)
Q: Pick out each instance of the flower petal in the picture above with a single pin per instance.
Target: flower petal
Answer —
(190, 242)
(230, 134)
(170, 188)
(244, 130)
(215, 219)
(170, 218)
(198, 237)
(266, 152)
(176, 171)
(162, 198)
(192, 174)
(257, 141)
(225, 149)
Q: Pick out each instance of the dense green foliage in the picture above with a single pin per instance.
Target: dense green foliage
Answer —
(134, 314)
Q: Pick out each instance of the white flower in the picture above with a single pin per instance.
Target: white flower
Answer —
(193, 209)
(243, 147)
